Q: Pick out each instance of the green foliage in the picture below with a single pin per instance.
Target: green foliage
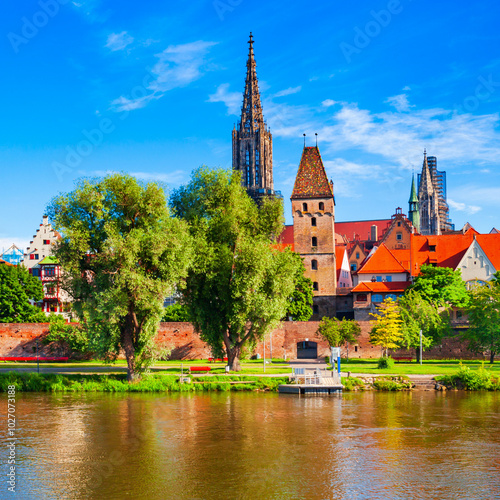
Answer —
(301, 301)
(397, 383)
(385, 362)
(239, 286)
(35, 382)
(387, 327)
(353, 384)
(73, 336)
(465, 378)
(441, 286)
(338, 332)
(418, 314)
(121, 253)
(483, 333)
(17, 288)
(176, 313)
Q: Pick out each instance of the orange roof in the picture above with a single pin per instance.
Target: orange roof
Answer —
(382, 287)
(382, 261)
(361, 229)
(6, 263)
(339, 257)
(311, 180)
(490, 243)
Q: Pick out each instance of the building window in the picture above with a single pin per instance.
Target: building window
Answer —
(377, 298)
(362, 297)
(354, 266)
(313, 221)
(391, 296)
(321, 205)
(304, 207)
(399, 223)
(36, 256)
(379, 279)
(315, 309)
(50, 271)
(432, 248)
(399, 236)
(46, 242)
(314, 241)
(355, 348)
(314, 265)
(315, 286)
(388, 278)
(357, 255)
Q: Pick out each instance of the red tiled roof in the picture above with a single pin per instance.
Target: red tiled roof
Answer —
(382, 287)
(382, 261)
(311, 180)
(286, 236)
(490, 243)
(361, 229)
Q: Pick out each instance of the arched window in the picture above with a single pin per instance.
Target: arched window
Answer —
(314, 265)
(377, 298)
(321, 205)
(257, 168)
(304, 207)
(391, 296)
(313, 221)
(315, 286)
(314, 241)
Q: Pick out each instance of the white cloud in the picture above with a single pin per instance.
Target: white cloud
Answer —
(400, 102)
(118, 41)
(328, 103)
(232, 100)
(174, 178)
(288, 91)
(462, 207)
(177, 66)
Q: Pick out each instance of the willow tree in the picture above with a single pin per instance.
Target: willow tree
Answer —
(122, 254)
(239, 286)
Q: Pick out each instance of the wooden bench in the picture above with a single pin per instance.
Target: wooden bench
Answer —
(33, 358)
(217, 360)
(199, 369)
(402, 358)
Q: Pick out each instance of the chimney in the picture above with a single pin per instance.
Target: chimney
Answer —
(374, 233)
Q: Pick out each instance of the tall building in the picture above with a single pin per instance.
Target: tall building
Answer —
(252, 140)
(413, 208)
(438, 178)
(428, 201)
(313, 210)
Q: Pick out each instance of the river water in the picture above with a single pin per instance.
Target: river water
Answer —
(422, 445)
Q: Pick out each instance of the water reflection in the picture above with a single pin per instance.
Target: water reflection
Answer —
(422, 445)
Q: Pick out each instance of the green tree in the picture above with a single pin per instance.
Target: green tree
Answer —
(483, 333)
(338, 332)
(387, 327)
(239, 286)
(418, 314)
(301, 301)
(176, 313)
(122, 254)
(442, 286)
(17, 289)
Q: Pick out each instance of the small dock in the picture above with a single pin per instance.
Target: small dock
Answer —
(310, 389)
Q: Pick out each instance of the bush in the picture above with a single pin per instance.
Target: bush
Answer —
(353, 384)
(65, 333)
(471, 380)
(392, 383)
(385, 362)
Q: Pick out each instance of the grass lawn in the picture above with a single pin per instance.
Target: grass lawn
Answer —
(429, 367)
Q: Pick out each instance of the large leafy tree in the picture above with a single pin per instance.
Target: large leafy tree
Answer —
(418, 314)
(339, 332)
(17, 289)
(483, 333)
(301, 301)
(239, 286)
(442, 286)
(387, 326)
(122, 254)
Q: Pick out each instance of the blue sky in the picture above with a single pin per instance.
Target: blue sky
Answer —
(154, 89)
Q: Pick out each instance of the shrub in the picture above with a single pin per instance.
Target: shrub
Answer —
(472, 380)
(399, 383)
(385, 362)
(353, 384)
(60, 331)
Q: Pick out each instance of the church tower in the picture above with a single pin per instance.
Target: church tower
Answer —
(413, 210)
(313, 210)
(252, 140)
(428, 202)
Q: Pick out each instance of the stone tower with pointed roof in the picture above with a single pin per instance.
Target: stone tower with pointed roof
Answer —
(252, 140)
(428, 202)
(413, 209)
(313, 209)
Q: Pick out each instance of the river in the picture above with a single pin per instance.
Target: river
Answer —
(422, 445)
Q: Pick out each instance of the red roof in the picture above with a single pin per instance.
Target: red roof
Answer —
(361, 229)
(339, 257)
(490, 243)
(6, 263)
(286, 236)
(311, 180)
(382, 261)
(382, 287)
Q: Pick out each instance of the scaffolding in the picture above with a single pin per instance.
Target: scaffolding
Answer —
(13, 255)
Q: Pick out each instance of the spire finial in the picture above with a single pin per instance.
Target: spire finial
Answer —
(304, 140)
(250, 42)
(425, 151)
(316, 139)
